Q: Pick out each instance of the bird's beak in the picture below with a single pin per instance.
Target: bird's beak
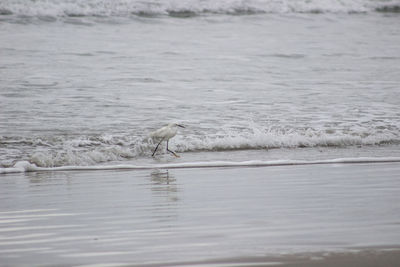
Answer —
(180, 125)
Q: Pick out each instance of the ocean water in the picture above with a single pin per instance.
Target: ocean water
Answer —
(291, 140)
(84, 83)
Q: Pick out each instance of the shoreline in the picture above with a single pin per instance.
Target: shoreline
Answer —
(26, 166)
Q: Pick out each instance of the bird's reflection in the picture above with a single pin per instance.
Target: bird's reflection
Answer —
(164, 185)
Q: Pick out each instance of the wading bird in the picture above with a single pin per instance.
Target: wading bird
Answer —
(164, 134)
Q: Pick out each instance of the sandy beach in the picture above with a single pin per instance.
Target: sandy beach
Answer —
(365, 257)
(317, 215)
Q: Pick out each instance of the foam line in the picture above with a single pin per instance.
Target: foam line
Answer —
(177, 8)
(25, 166)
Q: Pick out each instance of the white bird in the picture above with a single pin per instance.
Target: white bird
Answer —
(165, 133)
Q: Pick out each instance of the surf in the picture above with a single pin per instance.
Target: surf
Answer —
(54, 9)
(25, 166)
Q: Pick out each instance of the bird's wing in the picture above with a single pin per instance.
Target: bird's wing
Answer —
(157, 134)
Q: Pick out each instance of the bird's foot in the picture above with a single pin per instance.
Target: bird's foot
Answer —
(173, 153)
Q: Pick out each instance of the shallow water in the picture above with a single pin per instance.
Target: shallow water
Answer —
(88, 90)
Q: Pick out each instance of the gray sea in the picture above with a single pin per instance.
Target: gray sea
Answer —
(254, 82)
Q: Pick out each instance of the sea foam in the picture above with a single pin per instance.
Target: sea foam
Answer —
(105, 8)
(51, 151)
(25, 166)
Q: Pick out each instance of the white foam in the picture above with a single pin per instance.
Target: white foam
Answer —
(62, 8)
(277, 138)
(95, 150)
(29, 167)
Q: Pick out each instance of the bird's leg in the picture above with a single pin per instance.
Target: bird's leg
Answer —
(176, 155)
(157, 147)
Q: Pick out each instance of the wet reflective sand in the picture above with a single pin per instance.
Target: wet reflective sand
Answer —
(200, 216)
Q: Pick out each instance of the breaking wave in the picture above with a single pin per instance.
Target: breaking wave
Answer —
(280, 138)
(188, 8)
(94, 150)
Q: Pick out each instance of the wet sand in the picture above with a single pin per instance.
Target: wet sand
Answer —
(365, 257)
(315, 215)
